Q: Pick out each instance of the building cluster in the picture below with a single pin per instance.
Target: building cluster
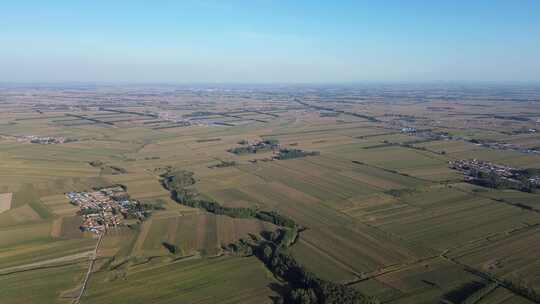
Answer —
(105, 208)
(472, 168)
(408, 130)
(46, 140)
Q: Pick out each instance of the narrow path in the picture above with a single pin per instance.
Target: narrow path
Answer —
(93, 258)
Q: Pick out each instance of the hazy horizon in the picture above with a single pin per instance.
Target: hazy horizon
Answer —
(269, 42)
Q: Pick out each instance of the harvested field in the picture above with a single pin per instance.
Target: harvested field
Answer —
(5, 201)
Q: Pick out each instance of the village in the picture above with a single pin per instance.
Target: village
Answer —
(475, 169)
(106, 208)
(45, 140)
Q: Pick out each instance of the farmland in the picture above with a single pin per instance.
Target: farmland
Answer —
(375, 205)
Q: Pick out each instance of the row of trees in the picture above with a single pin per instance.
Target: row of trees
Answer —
(261, 146)
(295, 153)
(224, 164)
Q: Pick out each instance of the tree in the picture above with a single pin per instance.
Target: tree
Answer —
(303, 296)
(170, 247)
(494, 180)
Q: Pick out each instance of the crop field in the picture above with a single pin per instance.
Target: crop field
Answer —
(365, 181)
(503, 296)
(222, 280)
(512, 255)
(42, 286)
(467, 218)
(19, 215)
(42, 250)
(194, 233)
(425, 282)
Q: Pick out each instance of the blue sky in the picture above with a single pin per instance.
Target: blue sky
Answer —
(269, 41)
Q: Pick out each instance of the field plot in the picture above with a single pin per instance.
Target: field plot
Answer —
(5, 201)
(219, 280)
(312, 180)
(60, 186)
(513, 256)
(19, 215)
(449, 147)
(416, 163)
(374, 207)
(59, 205)
(196, 233)
(17, 172)
(118, 243)
(362, 249)
(24, 233)
(442, 217)
(216, 180)
(43, 251)
(333, 235)
(519, 198)
(503, 296)
(45, 286)
(525, 140)
(140, 185)
(232, 197)
(68, 227)
(425, 282)
(322, 263)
